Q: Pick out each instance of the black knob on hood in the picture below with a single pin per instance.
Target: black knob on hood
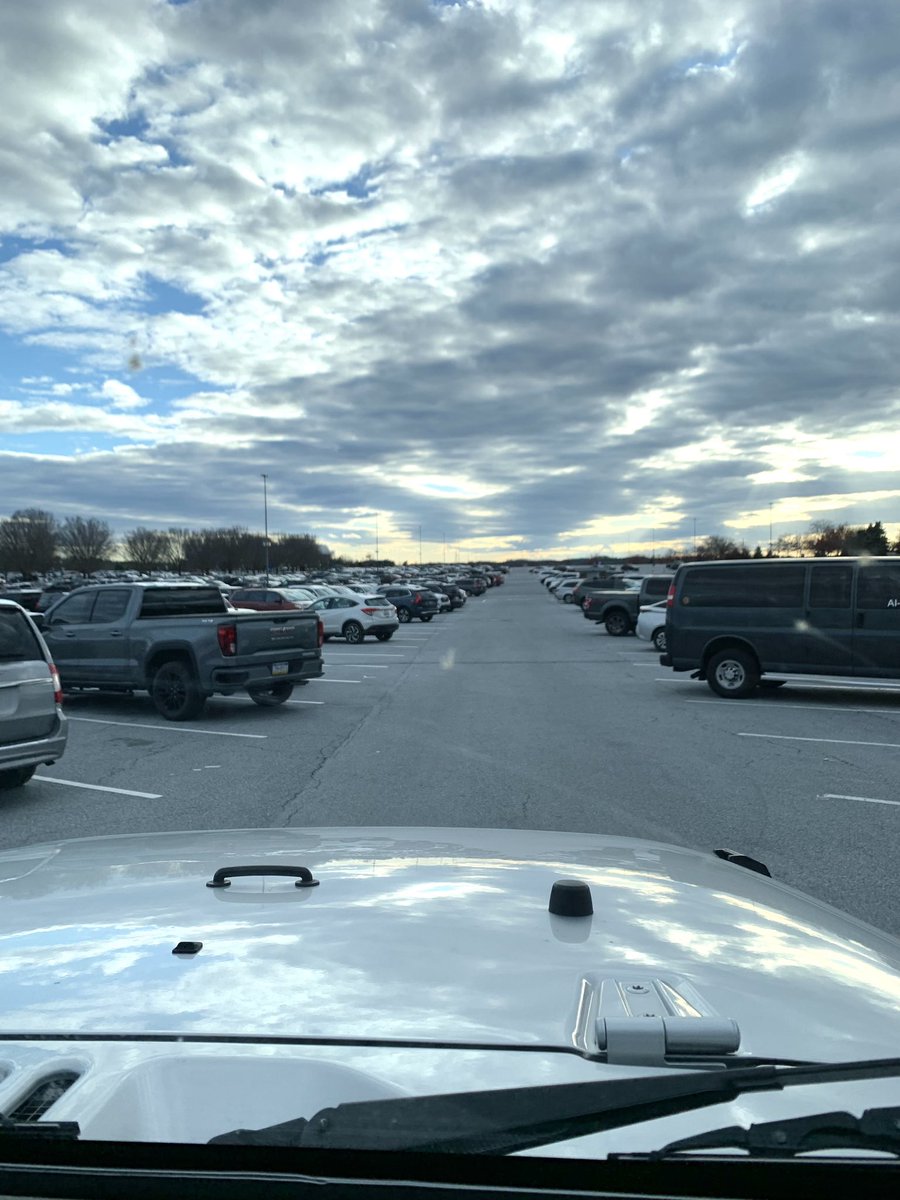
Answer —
(571, 898)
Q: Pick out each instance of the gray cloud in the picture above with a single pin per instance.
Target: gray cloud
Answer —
(505, 271)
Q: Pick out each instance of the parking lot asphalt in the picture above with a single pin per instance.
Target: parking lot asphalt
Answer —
(513, 712)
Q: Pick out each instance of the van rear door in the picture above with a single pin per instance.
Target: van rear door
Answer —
(876, 636)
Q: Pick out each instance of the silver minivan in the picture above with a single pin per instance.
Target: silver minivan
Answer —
(33, 727)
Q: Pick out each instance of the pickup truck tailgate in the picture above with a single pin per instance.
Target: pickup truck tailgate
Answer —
(276, 635)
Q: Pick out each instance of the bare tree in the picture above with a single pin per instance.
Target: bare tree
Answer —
(148, 549)
(28, 541)
(85, 543)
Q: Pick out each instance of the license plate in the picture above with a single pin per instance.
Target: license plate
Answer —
(280, 668)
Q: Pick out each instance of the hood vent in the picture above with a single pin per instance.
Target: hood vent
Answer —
(43, 1096)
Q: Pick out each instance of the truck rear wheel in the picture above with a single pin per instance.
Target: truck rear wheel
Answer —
(17, 777)
(271, 696)
(175, 691)
(617, 623)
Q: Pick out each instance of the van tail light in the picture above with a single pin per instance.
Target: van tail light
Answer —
(320, 632)
(57, 686)
(670, 598)
(227, 635)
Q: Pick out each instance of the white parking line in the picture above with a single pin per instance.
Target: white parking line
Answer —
(374, 666)
(864, 799)
(96, 787)
(789, 705)
(239, 699)
(346, 654)
(335, 681)
(781, 737)
(173, 728)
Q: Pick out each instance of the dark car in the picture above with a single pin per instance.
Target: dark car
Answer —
(457, 595)
(472, 585)
(411, 602)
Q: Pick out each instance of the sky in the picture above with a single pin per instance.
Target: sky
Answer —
(535, 278)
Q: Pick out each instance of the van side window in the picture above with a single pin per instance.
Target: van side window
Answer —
(829, 587)
(744, 587)
(879, 586)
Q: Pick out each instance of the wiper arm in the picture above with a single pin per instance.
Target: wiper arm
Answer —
(509, 1120)
(876, 1129)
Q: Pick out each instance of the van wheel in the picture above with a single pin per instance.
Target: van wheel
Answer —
(17, 777)
(733, 674)
(659, 639)
(617, 624)
(175, 693)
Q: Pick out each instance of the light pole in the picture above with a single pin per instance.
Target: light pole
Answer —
(770, 529)
(265, 480)
(420, 545)
(376, 539)
(695, 535)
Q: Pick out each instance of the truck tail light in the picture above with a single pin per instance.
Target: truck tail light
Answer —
(57, 686)
(320, 633)
(227, 635)
(670, 598)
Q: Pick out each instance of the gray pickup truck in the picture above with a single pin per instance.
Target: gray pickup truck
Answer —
(618, 610)
(181, 643)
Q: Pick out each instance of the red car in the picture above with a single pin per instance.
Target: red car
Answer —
(270, 599)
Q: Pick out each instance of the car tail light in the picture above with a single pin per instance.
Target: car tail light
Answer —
(320, 632)
(227, 635)
(587, 602)
(417, 599)
(670, 598)
(57, 686)
(369, 611)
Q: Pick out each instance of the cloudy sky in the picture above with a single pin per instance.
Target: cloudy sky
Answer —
(539, 276)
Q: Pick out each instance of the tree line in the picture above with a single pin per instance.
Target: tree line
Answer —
(34, 542)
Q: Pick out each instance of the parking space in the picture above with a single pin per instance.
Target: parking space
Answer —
(126, 768)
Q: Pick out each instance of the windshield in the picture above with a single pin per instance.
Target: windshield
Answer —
(526, 373)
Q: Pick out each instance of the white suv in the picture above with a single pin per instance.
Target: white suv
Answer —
(353, 617)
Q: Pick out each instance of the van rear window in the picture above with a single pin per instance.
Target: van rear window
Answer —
(743, 587)
(17, 640)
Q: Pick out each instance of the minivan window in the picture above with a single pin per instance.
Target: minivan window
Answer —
(17, 640)
(744, 587)
(830, 587)
(879, 586)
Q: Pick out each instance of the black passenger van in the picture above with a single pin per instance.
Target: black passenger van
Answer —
(733, 623)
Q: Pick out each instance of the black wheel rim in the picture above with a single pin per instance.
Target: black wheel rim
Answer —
(170, 692)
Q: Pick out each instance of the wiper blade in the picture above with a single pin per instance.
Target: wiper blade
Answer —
(509, 1120)
(52, 1130)
(876, 1129)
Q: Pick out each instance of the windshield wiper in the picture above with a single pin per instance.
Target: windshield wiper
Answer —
(53, 1130)
(876, 1129)
(509, 1120)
